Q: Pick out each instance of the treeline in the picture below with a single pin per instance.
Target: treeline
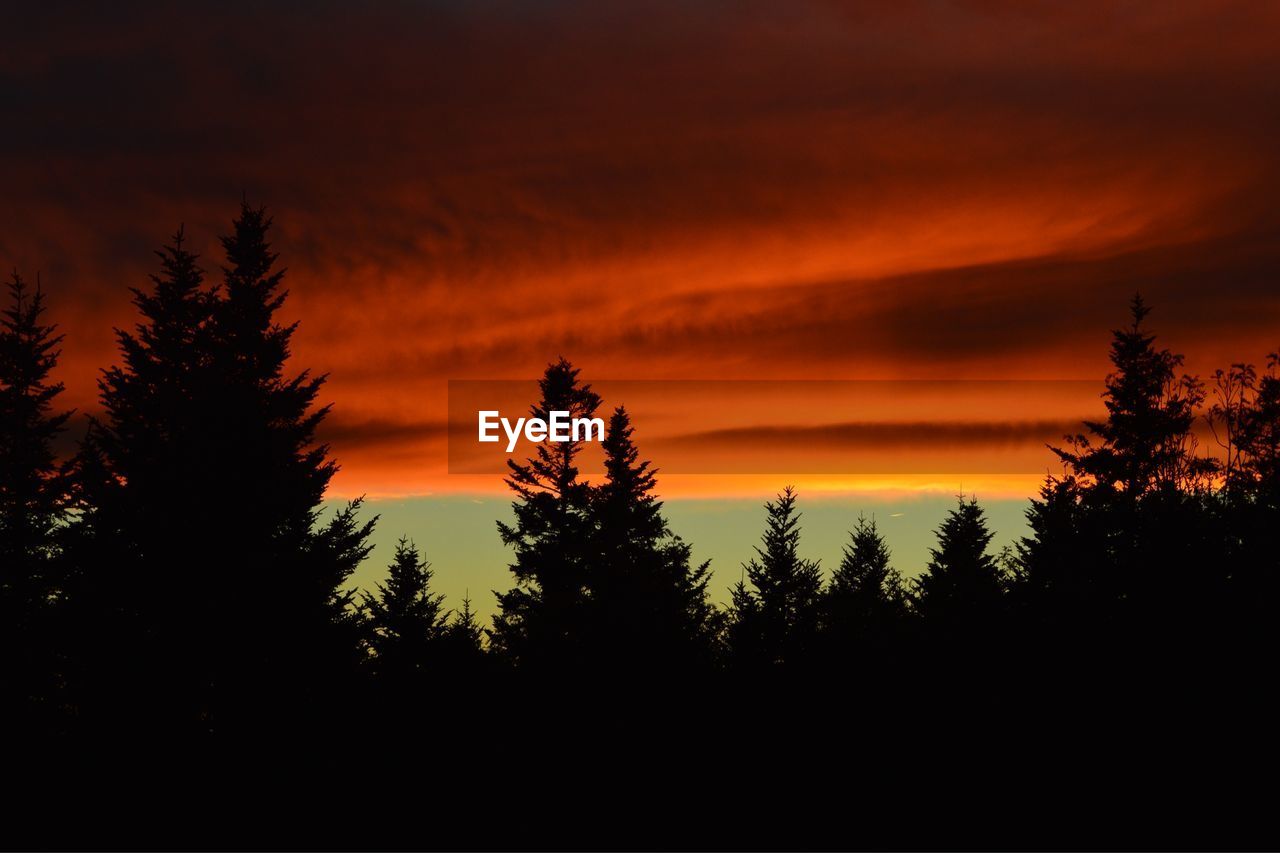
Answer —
(176, 570)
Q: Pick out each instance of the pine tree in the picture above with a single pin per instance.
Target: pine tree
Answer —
(33, 497)
(1124, 538)
(406, 621)
(32, 493)
(1066, 578)
(650, 604)
(864, 604)
(744, 644)
(775, 619)
(319, 631)
(462, 642)
(1146, 441)
(963, 586)
(152, 401)
(543, 620)
(268, 419)
(202, 486)
(144, 586)
(300, 621)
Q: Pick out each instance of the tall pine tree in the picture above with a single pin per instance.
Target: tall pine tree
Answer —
(1124, 539)
(650, 604)
(33, 498)
(202, 488)
(776, 607)
(1146, 443)
(300, 619)
(145, 559)
(543, 620)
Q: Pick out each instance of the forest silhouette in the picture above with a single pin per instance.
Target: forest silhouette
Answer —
(176, 574)
(114, 563)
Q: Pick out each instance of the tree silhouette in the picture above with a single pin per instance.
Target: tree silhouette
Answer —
(649, 603)
(1064, 576)
(1126, 538)
(774, 620)
(543, 620)
(865, 603)
(1248, 412)
(300, 620)
(147, 596)
(1146, 441)
(33, 499)
(189, 557)
(962, 587)
(1248, 409)
(203, 485)
(406, 621)
(463, 641)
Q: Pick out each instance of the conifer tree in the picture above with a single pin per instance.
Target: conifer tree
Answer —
(650, 604)
(268, 418)
(406, 621)
(865, 601)
(963, 585)
(152, 400)
(1124, 534)
(32, 493)
(145, 631)
(775, 618)
(1146, 441)
(33, 496)
(543, 619)
(203, 488)
(300, 621)
(324, 646)
(1066, 578)
(462, 641)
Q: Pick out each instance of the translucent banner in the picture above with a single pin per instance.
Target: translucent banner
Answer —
(787, 427)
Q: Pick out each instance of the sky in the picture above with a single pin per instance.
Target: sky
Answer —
(724, 192)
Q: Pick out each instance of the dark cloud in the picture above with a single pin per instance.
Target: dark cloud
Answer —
(357, 435)
(875, 435)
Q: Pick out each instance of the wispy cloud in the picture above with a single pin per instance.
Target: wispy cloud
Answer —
(662, 190)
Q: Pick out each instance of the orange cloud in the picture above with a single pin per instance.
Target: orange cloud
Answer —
(668, 191)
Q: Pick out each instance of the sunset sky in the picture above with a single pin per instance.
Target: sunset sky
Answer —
(667, 190)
